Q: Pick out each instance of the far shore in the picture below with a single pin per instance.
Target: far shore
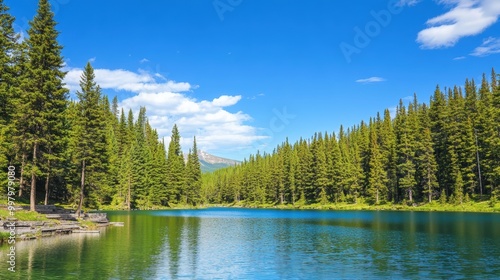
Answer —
(474, 207)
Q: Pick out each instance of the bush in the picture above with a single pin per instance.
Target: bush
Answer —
(442, 197)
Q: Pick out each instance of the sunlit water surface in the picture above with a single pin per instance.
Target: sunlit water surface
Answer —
(222, 243)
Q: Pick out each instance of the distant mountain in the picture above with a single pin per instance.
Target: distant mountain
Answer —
(211, 163)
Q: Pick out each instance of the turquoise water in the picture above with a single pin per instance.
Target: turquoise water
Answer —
(225, 243)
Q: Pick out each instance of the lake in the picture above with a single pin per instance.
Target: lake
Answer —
(227, 243)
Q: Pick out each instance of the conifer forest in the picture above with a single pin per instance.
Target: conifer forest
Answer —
(90, 153)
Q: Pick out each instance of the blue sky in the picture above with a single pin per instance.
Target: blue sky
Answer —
(243, 75)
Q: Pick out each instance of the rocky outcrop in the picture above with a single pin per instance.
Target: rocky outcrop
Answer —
(60, 221)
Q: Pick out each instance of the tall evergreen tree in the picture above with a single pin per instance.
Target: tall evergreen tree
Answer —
(193, 176)
(320, 169)
(377, 177)
(438, 113)
(175, 167)
(405, 150)
(91, 143)
(389, 157)
(39, 117)
(140, 161)
(427, 166)
(7, 85)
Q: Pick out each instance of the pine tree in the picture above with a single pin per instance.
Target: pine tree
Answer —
(7, 85)
(140, 161)
(305, 173)
(277, 166)
(438, 113)
(319, 166)
(193, 176)
(334, 167)
(290, 165)
(388, 150)
(91, 142)
(461, 137)
(159, 189)
(493, 156)
(175, 167)
(111, 182)
(377, 176)
(126, 169)
(405, 152)
(39, 117)
(427, 165)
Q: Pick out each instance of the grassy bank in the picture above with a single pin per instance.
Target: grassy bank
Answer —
(484, 206)
(472, 206)
(22, 215)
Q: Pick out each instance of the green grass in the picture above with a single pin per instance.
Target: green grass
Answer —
(4, 236)
(88, 225)
(22, 215)
(483, 206)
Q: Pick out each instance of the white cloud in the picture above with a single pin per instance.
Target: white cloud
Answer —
(144, 60)
(371, 80)
(120, 79)
(465, 18)
(490, 46)
(92, 60)
(226, 100)
(459, 58)
(215, 127)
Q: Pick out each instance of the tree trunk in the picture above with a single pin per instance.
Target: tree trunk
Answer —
(429, 186)
(410, 194)
(21, 178)
(82, 186)
(47, 185)
(47, 189)
(376, 197)
(33, 179)
(128, 195)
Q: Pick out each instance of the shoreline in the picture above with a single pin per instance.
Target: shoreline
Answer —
(469, 207)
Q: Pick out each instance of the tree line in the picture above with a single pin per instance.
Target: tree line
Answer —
(448, 150)
(86, 152)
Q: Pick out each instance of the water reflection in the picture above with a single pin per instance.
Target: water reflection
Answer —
(271, 244)
(47, 254)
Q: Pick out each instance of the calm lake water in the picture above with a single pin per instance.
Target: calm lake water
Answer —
(223, 243)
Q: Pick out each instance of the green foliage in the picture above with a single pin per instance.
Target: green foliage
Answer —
(175, 169)
(89, 149)
(42, 99)
(7, 85)
(377, 182)
(193, 176)
(442, 197)
(424, 152)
